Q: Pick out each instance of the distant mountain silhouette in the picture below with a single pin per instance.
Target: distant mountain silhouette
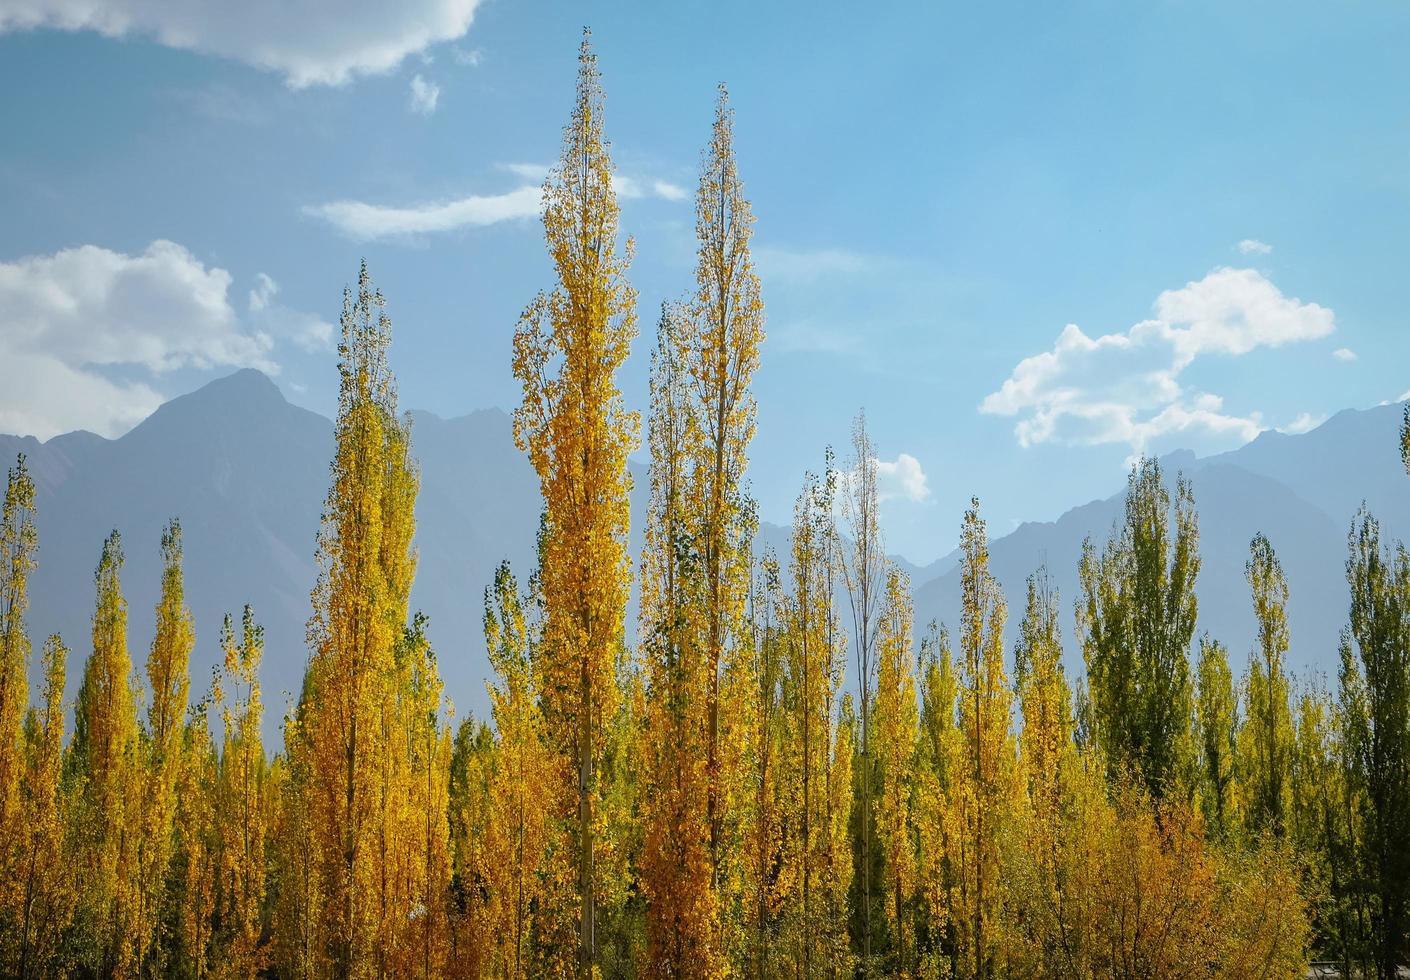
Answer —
(246, 472)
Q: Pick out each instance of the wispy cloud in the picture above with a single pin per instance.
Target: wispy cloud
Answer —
(308, 42)
(1125, 387)
(1344, 354)
(469, 57)
(1252, 246)
(367, 222)
(424, 96)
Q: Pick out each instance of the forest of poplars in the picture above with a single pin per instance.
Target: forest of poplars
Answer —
(774, 772)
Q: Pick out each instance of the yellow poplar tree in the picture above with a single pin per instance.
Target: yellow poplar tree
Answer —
(936, 757)
(816, 857)
(720, 357)
(682, 914)
(18, 544)
(199, 837)
(104, 758)
(897, 741)
(243, 800)
(346, 738)
(765, 813)
(568, 347)
(984, 783)
(42, 880)
(1044, 702)
(168, 684)
(516, 837)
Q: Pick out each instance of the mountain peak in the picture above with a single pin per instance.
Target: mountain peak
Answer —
(244, 385)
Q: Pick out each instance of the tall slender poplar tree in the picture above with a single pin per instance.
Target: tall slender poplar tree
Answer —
(863, 569)
(168, 686)
(897, 744)
(1136, 618)
(1267, 738)
(366, 563)
(568, 347)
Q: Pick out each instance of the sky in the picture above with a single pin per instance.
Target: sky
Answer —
(1032, 241)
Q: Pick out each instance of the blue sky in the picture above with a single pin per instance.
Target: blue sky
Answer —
(1217, 195)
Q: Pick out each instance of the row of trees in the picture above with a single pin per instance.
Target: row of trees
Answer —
(712, 800)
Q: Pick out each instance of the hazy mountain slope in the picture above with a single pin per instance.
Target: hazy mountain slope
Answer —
(247, 473)
(1233, 505)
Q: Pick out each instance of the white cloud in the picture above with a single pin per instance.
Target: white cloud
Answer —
(1305, 422)
(68, 319)
(630, 189)
(304, 330)
(902, 478)
(534, 173)
(1125, 387)
(1344, 354)
(366, 222)
(424, 96)
(309, 42)
(1252, 246)
(264, 291)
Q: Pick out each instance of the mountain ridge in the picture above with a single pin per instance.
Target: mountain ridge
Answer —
(246, 472)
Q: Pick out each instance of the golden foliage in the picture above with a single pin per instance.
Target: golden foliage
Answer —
(568, 346)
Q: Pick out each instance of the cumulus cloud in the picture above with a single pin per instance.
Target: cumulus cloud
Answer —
(1344, 354)
(1125, 387)
(366, 222)
(899, 479)
(1252, 246)
(424, 96)
(71, 319)
(902, 478)
(309, 42)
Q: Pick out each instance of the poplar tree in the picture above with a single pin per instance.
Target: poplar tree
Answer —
(1217, 728)
(1045, 704)
(679, 735)
(1266, 739)
(767, 812)
(897, 744)
(42, 886)
(342, 740)
(517, 833)
(244, 799)
(815, 854)
(18, 544)
(168, 685)
(1375, 681)
(984, 777)
(937, 754)
(864, 574)
(721, 354)
(1136, 618)
(103, 758)
(568, 347)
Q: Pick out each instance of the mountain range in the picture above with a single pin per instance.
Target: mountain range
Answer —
(246, 472)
